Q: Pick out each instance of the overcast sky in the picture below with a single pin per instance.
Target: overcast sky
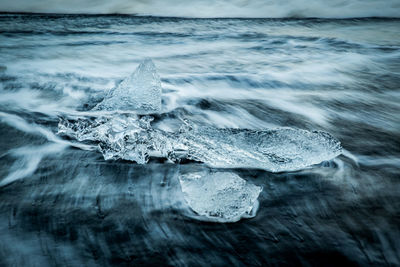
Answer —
(213, 8)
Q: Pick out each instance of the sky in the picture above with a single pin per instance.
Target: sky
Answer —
(212, 8)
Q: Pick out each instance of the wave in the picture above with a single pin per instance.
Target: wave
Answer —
(214, 8)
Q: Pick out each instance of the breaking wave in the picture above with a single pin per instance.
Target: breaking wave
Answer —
(214, 9)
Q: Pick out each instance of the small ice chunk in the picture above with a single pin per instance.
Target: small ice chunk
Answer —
(121, 136)
(140, 92)
(283, 149)
(220, 196)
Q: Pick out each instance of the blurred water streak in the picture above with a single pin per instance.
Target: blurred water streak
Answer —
(60, 205)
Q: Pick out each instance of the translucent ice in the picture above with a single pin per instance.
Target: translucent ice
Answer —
(220, 196)
(273, 150)
(121, 136)
(140, 92)
(128, 137)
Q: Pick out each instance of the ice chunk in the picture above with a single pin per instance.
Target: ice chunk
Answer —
(125, 136)
(275, 150)
(220, 196)
(140, 92)
(122, 136)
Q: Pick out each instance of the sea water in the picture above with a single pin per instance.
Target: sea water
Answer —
(62, 202)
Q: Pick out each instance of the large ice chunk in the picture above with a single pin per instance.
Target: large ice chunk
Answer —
(126, 136)
(276, 150)
(140, 92)
(220, 196)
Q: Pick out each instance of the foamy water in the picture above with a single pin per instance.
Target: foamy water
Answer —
(62, 203)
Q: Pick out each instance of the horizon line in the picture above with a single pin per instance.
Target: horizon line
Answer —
(183, 17)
